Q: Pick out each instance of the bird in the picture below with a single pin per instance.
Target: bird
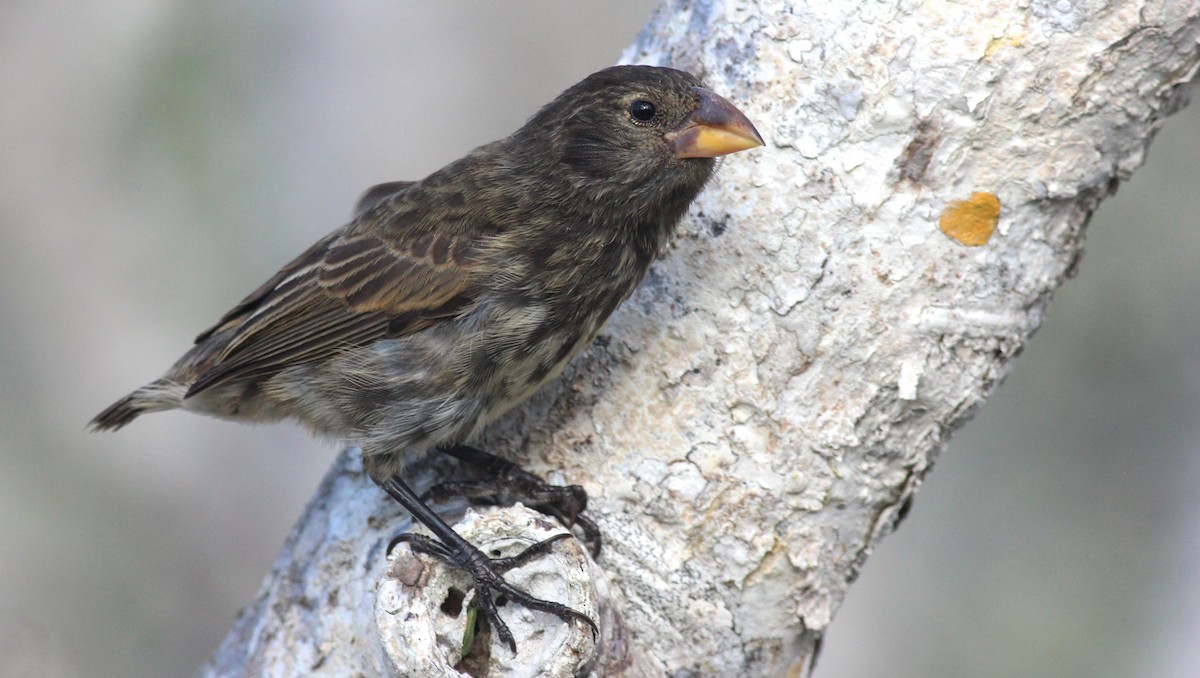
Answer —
(445, 302)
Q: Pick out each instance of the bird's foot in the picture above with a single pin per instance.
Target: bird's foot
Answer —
(508, 483)
(487, 575)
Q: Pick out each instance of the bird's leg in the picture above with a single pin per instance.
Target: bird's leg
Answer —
(566, 503)
(486, 572)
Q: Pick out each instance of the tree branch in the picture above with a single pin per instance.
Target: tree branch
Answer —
(759, 414)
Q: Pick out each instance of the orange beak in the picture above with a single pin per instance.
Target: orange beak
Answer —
(715, 128)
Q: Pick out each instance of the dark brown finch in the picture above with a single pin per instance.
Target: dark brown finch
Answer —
(447, 301)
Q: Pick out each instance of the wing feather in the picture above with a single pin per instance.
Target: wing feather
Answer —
(351, 288)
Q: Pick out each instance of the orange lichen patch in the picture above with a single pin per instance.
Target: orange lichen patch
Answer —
(971, 221)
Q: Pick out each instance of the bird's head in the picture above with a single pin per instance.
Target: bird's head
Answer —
(636, 131)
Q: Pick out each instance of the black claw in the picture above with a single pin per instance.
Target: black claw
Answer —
(419, 543)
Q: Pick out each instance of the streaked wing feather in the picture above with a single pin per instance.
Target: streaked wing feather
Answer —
(372, 275)
(284, 344)
(360, 289)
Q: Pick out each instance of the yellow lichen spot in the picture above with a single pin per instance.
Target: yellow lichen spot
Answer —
(971, 221)
(997, 44)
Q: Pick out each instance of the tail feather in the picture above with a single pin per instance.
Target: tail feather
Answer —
(153, 397)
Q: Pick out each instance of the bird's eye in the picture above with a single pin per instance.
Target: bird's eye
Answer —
(642, 110)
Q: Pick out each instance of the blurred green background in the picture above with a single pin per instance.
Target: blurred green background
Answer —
(161, 159)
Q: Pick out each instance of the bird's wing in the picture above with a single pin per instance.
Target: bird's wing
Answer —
(351, 288)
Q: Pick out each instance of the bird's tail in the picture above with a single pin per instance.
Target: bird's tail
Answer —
(153, 397)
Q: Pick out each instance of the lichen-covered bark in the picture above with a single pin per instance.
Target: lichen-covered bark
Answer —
(757, 415)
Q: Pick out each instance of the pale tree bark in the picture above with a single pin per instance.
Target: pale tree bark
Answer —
(758, 415)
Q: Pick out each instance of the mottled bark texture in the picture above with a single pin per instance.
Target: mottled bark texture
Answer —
(757, 416)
